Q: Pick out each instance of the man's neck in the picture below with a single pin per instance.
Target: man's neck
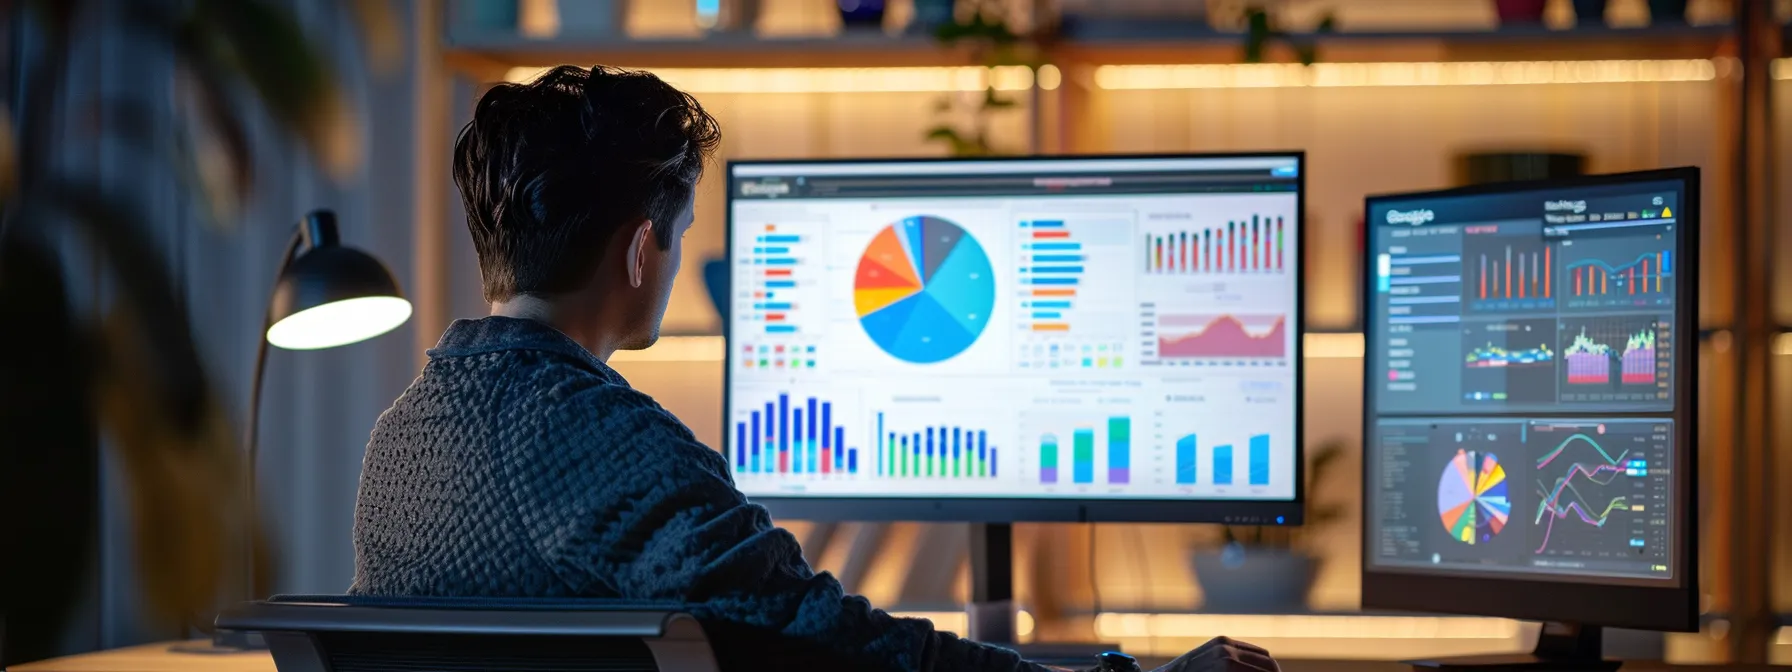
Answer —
(577, 325)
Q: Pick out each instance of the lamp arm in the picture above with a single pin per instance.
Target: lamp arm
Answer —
(251, 440)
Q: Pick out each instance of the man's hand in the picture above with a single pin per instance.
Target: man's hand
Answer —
(1223, 654)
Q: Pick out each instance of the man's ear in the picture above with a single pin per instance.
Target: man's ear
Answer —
(637, 252)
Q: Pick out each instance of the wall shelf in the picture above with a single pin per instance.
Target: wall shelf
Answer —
(1083, 41)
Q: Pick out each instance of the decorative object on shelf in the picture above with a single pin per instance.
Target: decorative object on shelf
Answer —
(130, 369)
(488, 15)
(1667, 12)
(727, 16)
(1261, 22)
(1483, 167)
(1270, 569)
(993, 44)
(1520, 12)
(931, 14)
(592, 18)
(861, 15)
(1589, 13)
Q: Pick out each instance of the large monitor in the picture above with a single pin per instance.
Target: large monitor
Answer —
(1529, 401)
(997, 340)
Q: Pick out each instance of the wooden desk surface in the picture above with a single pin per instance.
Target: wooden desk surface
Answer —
(157, 658)
(153, 658)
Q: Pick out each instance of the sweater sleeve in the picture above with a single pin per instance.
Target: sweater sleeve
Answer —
(682, 532)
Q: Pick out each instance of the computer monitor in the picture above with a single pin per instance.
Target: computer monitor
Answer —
(1529, 402)
(1031, 339)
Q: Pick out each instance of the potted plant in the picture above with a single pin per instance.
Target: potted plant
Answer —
(993, 44)
(1270, 569)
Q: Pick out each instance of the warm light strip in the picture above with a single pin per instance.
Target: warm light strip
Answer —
(1325, 75)
(955, 621)
(1247, 627)
(712, 348)
(841, 80)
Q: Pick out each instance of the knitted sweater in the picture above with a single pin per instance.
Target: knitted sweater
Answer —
(519, 465)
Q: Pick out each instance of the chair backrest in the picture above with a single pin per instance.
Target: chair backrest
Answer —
(342, 633)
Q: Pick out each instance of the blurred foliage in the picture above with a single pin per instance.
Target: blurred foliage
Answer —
(68, 377)
(993, 43)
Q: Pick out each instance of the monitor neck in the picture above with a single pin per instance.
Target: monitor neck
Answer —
(991, 610)
(1569, 642)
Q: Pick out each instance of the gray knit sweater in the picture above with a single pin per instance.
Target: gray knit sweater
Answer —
(519, 465)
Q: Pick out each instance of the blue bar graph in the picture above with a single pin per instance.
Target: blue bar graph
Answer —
(781, 239)
(780, 328)
(1048, 281)
(1057, 269)
(780, 261)
(771, 250)
(796, 465)
(781, 284)
(1047, 315)
(1056, 247)
(1048, 224)
(1259, 467)
(772, 306)
(1057, 258)
(1185, 460)
(1049, 304)
(1222, 465)
(799, 438)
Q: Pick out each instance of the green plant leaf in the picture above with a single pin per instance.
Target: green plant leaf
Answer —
(266, 47)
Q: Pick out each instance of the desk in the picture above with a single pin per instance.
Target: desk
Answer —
(157, 658)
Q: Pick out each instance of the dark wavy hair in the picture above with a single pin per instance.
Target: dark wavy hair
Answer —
(550, 170)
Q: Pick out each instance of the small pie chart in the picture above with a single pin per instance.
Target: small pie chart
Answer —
(924, 289)
(1472, 497)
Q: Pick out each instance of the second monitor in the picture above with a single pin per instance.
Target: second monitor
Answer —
(1101, 338)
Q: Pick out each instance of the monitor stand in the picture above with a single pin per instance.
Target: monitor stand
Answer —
(1561, 647)
(990, 613)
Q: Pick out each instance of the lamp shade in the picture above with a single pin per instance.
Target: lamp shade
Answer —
(333, 295)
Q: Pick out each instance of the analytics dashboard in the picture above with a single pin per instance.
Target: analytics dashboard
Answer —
(1038, 328)
(1522, 375)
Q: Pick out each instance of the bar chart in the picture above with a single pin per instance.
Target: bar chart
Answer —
(793, 438)
(934, 451)
(1053, 267)
(1118, 465)
(776, 266)
(1255, 246)
(1071, 267)
(1222, 468)
(1505, 272)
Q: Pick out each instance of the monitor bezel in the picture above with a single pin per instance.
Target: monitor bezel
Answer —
(1667, 604)
(1065, 509)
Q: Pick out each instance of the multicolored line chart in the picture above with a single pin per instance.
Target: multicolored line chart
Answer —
(1600, 488)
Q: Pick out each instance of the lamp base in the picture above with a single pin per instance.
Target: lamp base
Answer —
(223, 642)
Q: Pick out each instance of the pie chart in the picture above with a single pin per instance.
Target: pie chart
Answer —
(924, 289)
(1471, 497)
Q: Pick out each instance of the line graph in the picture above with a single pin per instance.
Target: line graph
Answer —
(1618, 273)
(1601, 489)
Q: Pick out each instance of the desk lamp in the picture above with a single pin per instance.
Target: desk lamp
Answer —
(327, 295)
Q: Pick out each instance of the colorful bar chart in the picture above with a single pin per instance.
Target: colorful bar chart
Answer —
(1186, 469)
(1256, 245)
(1646, 275)
(1515, 275)
(1051, 270)
(1119, 450)
(942, 451)
(775, 270)
(1082, 454)
(787, 438)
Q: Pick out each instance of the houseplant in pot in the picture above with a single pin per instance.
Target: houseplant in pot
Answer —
(1270, 569)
